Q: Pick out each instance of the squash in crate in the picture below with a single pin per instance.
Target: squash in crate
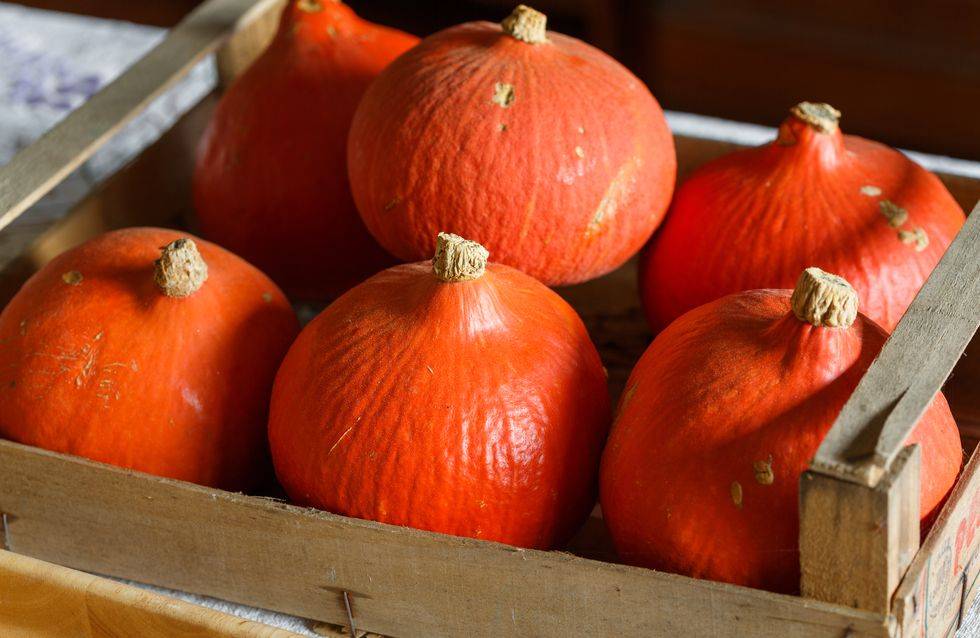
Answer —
(452, 396)
(150, 350)
(271, 177)
(721, 416)
(547, 149)
(756, 217)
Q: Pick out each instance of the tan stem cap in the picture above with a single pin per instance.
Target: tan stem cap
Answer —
(824, 300)
(527, 25)
(180, 271)
(820, 116)
(458, 259)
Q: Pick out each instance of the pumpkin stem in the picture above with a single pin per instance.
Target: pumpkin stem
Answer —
(180, 271)
(458, 259)
(824, 300)
(526, 24)
(822, 117)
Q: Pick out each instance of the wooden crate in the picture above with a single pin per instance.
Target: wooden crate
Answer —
(864, 573)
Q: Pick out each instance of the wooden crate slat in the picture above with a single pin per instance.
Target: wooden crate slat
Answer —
(42, 165)
(911, 368)
(404, 582)
(942, 581)
(41, 600)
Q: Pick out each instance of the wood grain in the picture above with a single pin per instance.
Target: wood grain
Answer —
(911, 368)
(857, 541)
(39, 600)
(942, 581)
(39, 167)
(403, 582)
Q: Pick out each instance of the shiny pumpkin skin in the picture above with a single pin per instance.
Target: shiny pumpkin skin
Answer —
(755, 218)
(565, 183)
(114, 370)
(733, 383)
(474, 408)
(270, 182)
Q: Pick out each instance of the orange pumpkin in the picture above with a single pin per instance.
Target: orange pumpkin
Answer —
(271, 177)
(721, 416)
(451, 396)
(159, 362)
(755, 218)
(547, 149)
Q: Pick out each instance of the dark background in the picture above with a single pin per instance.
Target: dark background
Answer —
(903, 72)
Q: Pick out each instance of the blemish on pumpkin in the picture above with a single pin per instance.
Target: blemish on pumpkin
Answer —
(581, 130)
(342, 436)
(579, 151)
(331, 31)
(134, 366)
(267, 297)
(895, 214)
(481, 504)
(628, 395)
(501, 127)
(763, 471)
(870, 191)
(72, 277)
(736, 491)
(503, 94)
(618, 190)
(429, 368)
(23, 327)
(394, 202)
(310, 6)
(916, 237)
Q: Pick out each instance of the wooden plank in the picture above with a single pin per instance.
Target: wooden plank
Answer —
(250, 40)
(403, 582)
(911, 368)
(856, 541)
(39, 600)
(39, 167)
(941, 584)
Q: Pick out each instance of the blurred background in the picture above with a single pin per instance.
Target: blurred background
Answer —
(905, 72)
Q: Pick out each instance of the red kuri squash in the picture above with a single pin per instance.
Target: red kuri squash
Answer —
(545, 148)
(755, 218)
(271, 177)
(159, 362)
(451, 396)
(721, 416)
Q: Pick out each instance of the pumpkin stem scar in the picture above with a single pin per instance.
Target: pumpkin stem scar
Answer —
(181, 270)
(824, 300)
(310, 6)
(72, 277)
(895, 214)
(503, 94)
(736, 492)
(526, 24)
(916, 237)
(763, 471)
(820, 116)
(458, 259)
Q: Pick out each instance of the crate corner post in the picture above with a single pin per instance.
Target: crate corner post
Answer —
(856, 539)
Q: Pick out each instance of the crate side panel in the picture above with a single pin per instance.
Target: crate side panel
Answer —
(403, 582)
(941, 583)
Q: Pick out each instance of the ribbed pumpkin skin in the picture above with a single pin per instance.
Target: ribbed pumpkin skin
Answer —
(735, 382)
(270, 182)
(565, 183)
(114, 370)
(756, 218)
(474, 408)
